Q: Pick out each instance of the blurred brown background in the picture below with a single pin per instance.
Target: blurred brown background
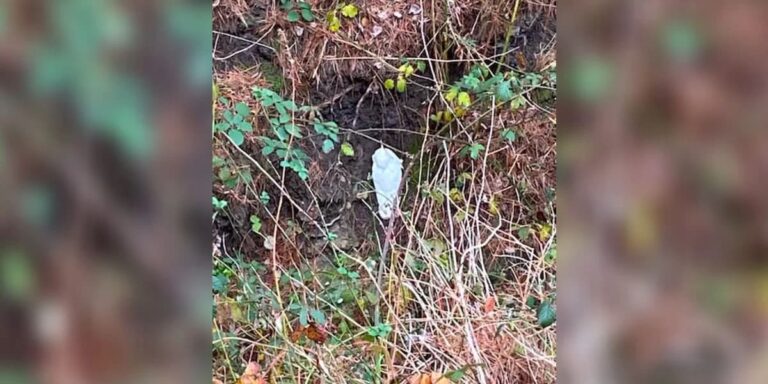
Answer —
(105, 204)
(662, 172)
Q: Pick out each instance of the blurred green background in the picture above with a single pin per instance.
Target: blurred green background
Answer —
(104, 158)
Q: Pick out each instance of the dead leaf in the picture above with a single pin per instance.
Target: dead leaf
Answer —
(490, 304)
(377, 30)
(415, 9)
(313, 331)
(296, 334)
(428, 378)
(269, 242)
(252, 375)
(316, 333)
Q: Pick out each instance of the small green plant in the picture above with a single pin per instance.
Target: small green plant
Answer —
(352, 275)
(230, 174)
(347, 149)
(330, 130)
(381, 330)
(306, 313)
(509, 135)
(349, 11)
(235, 123)
(219, 205)
(297, 10)
(473, 150)
(285, 129)
(255, 224)
(264, 197)
(480, 85)
(404, 72)
(545, 314)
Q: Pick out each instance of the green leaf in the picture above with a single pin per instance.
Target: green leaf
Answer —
(389, 84)
(264, 197)
(255, 224)
(307, 15)
(400, 84)
(304, 317)
(470, 82)
(219, 204)
(455, 376)
(219, 283)
(293, 16)
(531, 302)
(517, 102)
(289, 105)
(421, 66)
(242, 109)
(318, 316)
(236, 136)
(221, 126)
(545, 316)
(473, 150)
(327, 145)
(504, 91)
(349, 10)
(509, 135)
(523, 233)
(293, 129)
(245, 126)
(347, 150)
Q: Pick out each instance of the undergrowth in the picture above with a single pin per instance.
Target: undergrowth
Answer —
(460, 286)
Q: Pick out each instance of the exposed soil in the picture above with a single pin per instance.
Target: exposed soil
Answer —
(340, 183)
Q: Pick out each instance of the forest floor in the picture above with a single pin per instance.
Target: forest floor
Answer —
(309, 284)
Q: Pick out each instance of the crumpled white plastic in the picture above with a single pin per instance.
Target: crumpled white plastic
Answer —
(387, 171)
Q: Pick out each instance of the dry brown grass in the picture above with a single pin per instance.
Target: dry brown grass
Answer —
(449, 258)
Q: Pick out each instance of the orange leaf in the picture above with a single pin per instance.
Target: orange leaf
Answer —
(428, 378)
(316, 333)
(252, 375)
(490, 304)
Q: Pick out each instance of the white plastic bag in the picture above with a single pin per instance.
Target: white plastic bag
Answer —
(387, 172)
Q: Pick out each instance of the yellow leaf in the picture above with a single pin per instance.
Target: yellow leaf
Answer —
(455, 195)
(464, 100)
(451, 94)
(334, 23)
(544, 232)
(406, 69)
(401, 84)
(349, 10)
(493, 206)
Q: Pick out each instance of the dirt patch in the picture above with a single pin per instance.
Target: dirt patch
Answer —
(534, 36)
(339, 197)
